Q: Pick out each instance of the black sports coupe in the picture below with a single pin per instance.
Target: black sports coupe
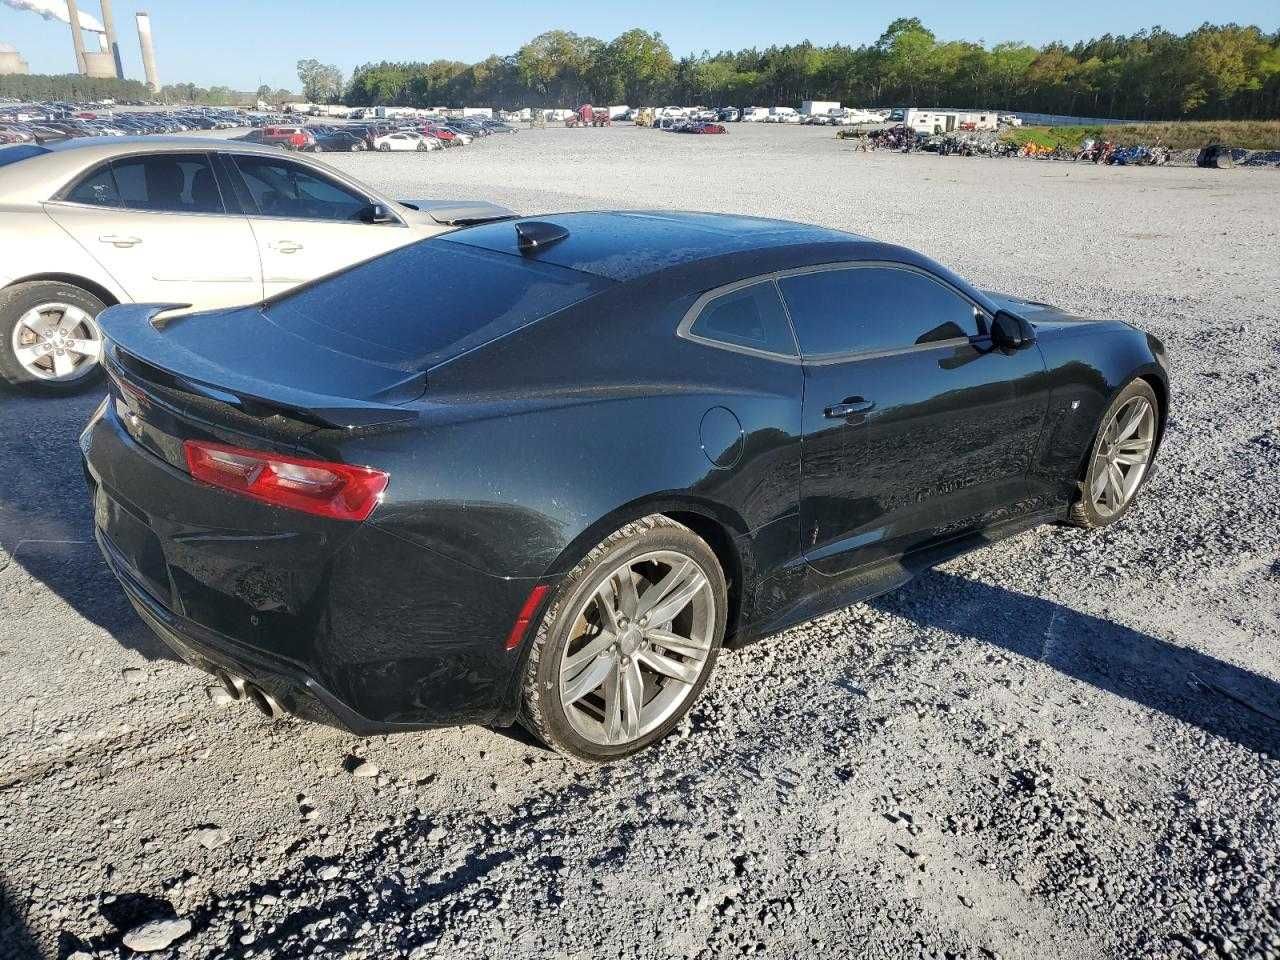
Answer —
(542, 470)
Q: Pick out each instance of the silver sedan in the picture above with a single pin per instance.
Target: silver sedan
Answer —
(181, 220)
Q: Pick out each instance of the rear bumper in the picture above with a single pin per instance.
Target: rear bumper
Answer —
(353, 625)
(215, 653)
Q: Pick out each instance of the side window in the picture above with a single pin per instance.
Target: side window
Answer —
(97, 189)
(870, 309)
(750, 317)
(169, 183)
(283, 189)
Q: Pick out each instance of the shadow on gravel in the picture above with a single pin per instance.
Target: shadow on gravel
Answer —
(1222, 699)
(46, 519)
(16, 941)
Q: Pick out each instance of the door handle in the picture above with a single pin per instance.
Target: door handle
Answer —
(116, 240)
(285, 246)
(848, 407)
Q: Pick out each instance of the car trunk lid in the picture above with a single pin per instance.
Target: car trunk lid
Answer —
(241, 359)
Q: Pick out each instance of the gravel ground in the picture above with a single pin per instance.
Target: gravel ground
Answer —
(1065, 745)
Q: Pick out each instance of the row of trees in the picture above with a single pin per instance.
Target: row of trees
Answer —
(70, 86)
(75, 87)
(1222, 72)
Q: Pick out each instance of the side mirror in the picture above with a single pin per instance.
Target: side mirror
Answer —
(1011, 332)
(376, 213)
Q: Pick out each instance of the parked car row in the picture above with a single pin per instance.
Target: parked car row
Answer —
(55, 122)
(385, 136)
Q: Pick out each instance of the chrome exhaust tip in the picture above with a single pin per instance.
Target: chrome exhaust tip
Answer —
(268, 705)
(234, 686)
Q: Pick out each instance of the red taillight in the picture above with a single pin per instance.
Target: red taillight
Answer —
(336, 490)
(525, 615)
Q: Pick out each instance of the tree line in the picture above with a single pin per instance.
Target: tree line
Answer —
(76, 87)
(1215, 71)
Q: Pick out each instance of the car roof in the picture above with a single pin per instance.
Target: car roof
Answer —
(625, 245)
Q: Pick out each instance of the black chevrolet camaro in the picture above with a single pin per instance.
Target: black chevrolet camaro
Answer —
(541, 470)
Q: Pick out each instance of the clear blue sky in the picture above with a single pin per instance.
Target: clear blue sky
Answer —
(240, 43)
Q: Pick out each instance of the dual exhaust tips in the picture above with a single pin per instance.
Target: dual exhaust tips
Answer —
(241, 689)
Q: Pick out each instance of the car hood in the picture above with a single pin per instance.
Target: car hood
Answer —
(452, 213)
(1045, 317)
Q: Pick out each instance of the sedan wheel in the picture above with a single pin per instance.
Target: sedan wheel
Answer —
(626, 649)
(51, 335)
(1120, 457)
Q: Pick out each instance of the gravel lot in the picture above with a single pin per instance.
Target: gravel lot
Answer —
(1066, 745)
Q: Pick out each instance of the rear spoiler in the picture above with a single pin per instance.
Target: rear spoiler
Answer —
(137, 331)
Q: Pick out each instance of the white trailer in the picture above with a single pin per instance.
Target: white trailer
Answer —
(821, 108)
(946, 121)
(477, 112)
(754, 114)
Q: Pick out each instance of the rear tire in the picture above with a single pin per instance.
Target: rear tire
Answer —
(49, 304)
(1127, 456)
(650, 674)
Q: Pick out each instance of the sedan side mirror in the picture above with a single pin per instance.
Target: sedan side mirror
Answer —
(376, 213)
(1011, 332)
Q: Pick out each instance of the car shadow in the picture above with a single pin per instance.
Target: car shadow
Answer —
(16, 939)
(46, 518)
(1220, 698)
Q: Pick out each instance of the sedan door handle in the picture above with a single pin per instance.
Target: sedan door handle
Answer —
(116, 240)
(285, 246)
(848, 407)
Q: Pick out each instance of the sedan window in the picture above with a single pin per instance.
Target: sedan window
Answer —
(750, 317)
(873, 309)
(284, 189)
(178, 183)
(98, 189)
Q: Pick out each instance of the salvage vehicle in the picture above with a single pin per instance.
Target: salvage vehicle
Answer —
(622, 441)
(92, 222)
(699, 126)
(335, 140)
(292, 138)
(406, 140)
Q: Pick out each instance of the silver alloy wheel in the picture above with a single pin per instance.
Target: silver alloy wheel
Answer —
(57, 341)
(1122, 456)
(637, 647)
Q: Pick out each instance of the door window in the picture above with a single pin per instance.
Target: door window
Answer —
(750, 317)
(98, 189)
(169, 183)
(872, 310)
(283, 189)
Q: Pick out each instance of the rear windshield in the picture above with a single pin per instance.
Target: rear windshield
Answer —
(20, 151)
(428, 302)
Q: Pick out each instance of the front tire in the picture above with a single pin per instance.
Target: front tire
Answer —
(1120, 458)
(49, 337)
(627, 643)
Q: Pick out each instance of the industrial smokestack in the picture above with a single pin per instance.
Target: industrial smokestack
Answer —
(148, 52)
(112, 41)
(77, 36)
